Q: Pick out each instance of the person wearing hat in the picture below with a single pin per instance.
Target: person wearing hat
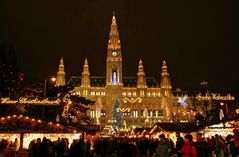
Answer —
(188, 149)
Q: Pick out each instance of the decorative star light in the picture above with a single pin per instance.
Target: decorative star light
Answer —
(182, 101)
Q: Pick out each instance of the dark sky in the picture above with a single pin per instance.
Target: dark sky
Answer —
(198, 39)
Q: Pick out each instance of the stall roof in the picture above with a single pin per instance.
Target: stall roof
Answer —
(173, 127)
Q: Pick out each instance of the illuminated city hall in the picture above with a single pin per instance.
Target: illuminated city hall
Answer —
(143, 100)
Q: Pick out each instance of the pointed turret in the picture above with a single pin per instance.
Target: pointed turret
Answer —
(85, 80)
(60, 79)
(165, 80)
(141, 81)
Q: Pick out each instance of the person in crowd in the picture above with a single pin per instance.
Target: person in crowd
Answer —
(232, 144)
(211, 142)
(179, 144)
(220, 146)
(203, 148)
(164, 148)
(15, 146)
(188, 149)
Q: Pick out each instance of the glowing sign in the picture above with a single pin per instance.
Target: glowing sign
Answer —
(132, 100)
(35, 101)
(182, 101)
(215, 96)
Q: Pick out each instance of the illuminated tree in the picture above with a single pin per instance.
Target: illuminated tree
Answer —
(74, 111)
(117, 116)
(10, 77)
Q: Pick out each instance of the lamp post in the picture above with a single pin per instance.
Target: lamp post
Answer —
(53, 79)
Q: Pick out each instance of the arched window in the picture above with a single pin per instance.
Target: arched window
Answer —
(114, 77)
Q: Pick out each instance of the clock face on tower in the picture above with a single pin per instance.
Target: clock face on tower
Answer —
(114, 53)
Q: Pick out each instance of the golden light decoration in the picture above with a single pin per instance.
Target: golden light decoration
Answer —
(133, 100)
(123, 109)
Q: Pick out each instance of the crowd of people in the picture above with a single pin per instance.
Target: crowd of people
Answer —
(9, 148)
(215, 146)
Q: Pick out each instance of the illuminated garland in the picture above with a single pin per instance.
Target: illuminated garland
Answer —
(123, 109)
(132, 100)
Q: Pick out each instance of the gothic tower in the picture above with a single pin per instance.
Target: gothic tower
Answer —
(60, 78)
(141, 81)
(114, 85)
(114, 58)
(165, 80)
(85, 79)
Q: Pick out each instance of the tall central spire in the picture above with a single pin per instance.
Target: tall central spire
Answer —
(114, 40)
(114, 58)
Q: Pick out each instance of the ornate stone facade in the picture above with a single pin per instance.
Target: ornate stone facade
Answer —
(143, 100)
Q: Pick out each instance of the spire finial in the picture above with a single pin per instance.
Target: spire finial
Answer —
(140, 62)
(164, 63)
(113, 19)
(86, 61)
(61, 61)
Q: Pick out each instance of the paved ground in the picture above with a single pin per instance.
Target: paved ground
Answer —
(21, 153)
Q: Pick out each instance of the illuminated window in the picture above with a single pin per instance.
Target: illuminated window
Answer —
(151, 113)
(135, 113)
(141, 93)
(85, 92)
(149, 94)
(93, 93)
(124, 93)
(158, 93)
(92, 114)
(153, 94)
(129, 93)
(134, 93)
(102, 113)
(114, 77)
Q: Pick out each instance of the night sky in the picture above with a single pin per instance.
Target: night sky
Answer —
(198, 39)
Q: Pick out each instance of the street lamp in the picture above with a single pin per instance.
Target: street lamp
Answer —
(53, 79)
